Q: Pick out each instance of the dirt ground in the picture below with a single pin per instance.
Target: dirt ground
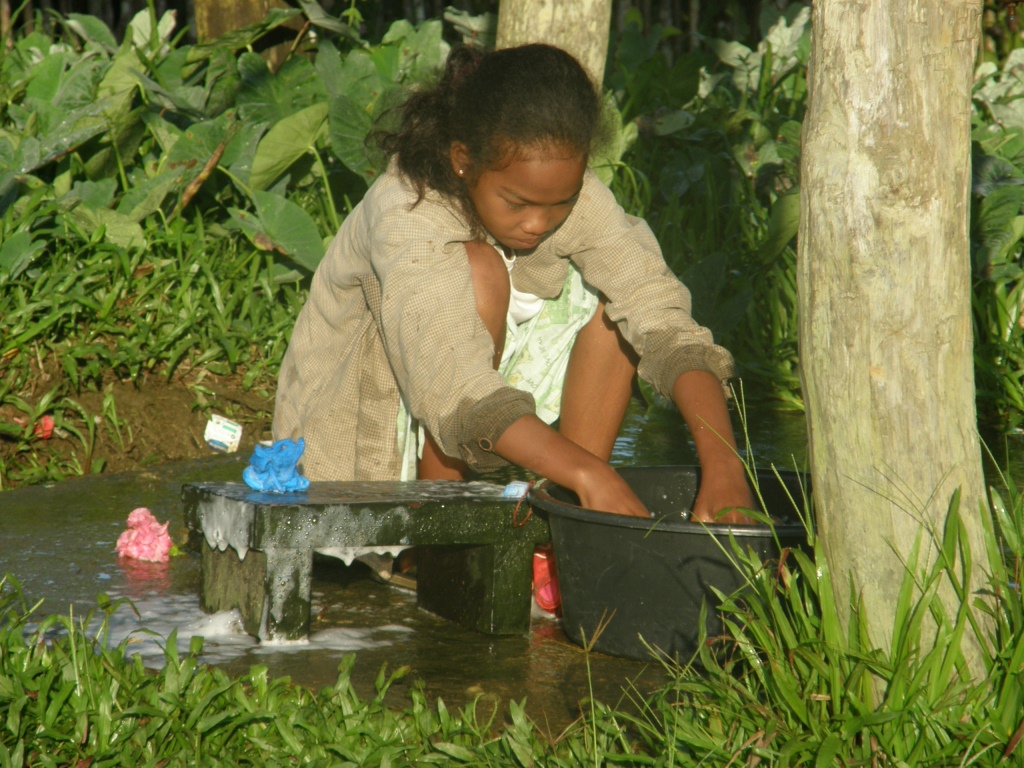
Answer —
(136, 424)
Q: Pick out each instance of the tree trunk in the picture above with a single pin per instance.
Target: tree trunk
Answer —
(884, 286)
(581, 27)
(5, 23)
(217, 17)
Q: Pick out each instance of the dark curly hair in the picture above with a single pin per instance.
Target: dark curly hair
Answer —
(497, 104)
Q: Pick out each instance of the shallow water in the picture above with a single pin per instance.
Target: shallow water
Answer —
(59, 542)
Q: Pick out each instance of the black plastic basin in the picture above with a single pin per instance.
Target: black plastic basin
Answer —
(646, 579)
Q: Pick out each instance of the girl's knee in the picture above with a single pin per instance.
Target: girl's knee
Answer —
(490, 275)
(491, 287)
(602, 332)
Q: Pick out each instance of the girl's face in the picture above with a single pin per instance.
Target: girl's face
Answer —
(527, 199)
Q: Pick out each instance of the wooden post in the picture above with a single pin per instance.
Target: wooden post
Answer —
(216, 17)
(580, 27)
(884, 289)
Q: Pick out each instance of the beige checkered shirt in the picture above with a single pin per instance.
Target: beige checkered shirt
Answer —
(391, 313)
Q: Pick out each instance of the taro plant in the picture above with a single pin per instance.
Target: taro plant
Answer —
(718, 163)
(111, 143)
(162, 204)
(997, 231)
(718, 155)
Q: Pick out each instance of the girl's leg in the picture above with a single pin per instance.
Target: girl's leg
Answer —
(491, 287)
(435, 465)
(598, 385)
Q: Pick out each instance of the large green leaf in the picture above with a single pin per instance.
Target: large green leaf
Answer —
(610, 155)
(265, 97)
(422, 50)
(7, 152)
(77, 86)
(95, 194)
(329, 68)
(783, 223)
(8, 190)
(997, 226)
(117, 228)
(197, 144)
(142, 34)
(64, 79)
(318, 17)
(281, 225)
(92, 30)
(241, 150)
(361, 80)
(148, 197)
(172, 71)
(1009, 114)
(989, 173)
(76, 128)
(188, 100)
(46, 77)
(480, 30)
(126, 132)
(349, 126)
(122, 75)
(221, 81)
(788, 145)
(26, 159)
(355, 104)
(17, 252)
(163, 130)
(286, 142)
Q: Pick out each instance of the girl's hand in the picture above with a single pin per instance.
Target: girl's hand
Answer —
(722, 497)
(723, 485)
(532, 444)
(609, 493)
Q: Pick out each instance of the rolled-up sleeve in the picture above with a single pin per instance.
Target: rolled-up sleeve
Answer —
(644, 298)
(436, 344)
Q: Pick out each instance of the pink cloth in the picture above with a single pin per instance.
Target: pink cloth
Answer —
(145, 539)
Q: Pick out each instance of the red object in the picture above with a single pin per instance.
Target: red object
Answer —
(545, 580)
(44, 427)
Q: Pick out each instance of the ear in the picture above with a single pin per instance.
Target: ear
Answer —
(459, 155)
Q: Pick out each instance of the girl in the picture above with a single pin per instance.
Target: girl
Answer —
(487, 285)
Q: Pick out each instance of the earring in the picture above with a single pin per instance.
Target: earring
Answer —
(461, 171)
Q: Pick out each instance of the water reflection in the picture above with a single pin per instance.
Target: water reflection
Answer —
(143, 579)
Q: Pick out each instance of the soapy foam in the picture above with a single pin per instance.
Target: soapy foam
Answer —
(224, 637)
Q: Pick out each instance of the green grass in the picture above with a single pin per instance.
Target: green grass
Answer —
(193, 298)
(194, 301)
(786, 684)
(66, 698)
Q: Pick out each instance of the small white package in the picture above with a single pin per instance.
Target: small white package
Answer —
(222, 434)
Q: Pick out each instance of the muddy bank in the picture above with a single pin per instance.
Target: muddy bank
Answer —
(124, 425)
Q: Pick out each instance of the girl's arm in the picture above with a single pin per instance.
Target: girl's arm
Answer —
(532, 444)
(723, 485)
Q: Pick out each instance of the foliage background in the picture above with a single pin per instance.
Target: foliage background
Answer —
(163, 203)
